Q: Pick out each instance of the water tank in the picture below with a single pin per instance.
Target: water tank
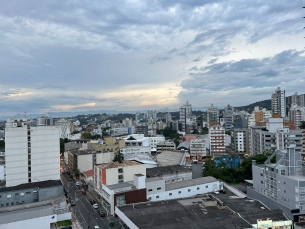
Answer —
(41, 121)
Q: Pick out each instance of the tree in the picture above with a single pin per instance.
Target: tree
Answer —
(105, 133)
(205, 130)
(96, 136)
(62, 143)
(302, 125)
(119, 157)
(195, 131)
(86, 135)
(77, 173)
(2, 145)
(228, 132)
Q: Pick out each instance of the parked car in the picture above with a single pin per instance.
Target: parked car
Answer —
(101, 213)
(216, 192)
(68, 173)
(77, 183)
(111, 224)
(95, 206)
(96, 227)
(84, 192)
(223, 191)
(71, 176)
(92, 202)
(67, 227)
(72, 203)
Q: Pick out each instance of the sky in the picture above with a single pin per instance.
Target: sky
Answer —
(80, 55)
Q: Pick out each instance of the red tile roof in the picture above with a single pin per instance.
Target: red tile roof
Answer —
(89, 173)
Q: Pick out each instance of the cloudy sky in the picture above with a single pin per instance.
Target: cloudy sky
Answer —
(78, 55)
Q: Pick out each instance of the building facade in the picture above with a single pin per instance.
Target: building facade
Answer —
(165, 146)
(278, 102)
(198, 147)
(240, 141)
(228, 116)
(31, 152)
(185, 114)
(296, 115)
(212, 115)
(217, 140)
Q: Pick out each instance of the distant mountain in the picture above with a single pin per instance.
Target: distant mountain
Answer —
(265, 104)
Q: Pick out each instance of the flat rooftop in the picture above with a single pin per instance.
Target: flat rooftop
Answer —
(118, 164)
(188, 183)
(122, 185)
(166, 158)
(29, 213)
(40, 184)
(180, 214)
(159, 171)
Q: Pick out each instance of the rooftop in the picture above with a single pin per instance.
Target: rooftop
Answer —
(40, 184)
(89, 173)
(166, 158)
(188, 183)
(121, 185)
(30, 213)
(185, 144)
(118, 164)
(159, 171)
(140, 157)
(180, 214)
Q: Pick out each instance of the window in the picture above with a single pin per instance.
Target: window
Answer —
(28, 192)
(149, 198)
(284, 191)
(150, 190)
(179, 192)
(9, 196)
(17, 203)
(284, 182)
(189, 190)
(120, 170)
(2, 205)
(197, 188)
(16, 194)
(22, 194)
(12, 204)
(6, 204)
(262, 182)
(207, 186)
(159, 188)
(283, 172)
(157, 197)
(170, 194)
(120, 177)
(35, 192)
(261, 174)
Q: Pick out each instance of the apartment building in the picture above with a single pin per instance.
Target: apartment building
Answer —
(31, 152)
(112, 144)
(165, 146)
(198, 147)
(185, 115)
(217, 140)
(297, 115)
(281, 184)
(258, 115)
(155, 140)
(228, 117)
(119, 131)
(297, 99)
(278, 102)
(142, 129)
(64, 128)
(212, 115)
(240, 141)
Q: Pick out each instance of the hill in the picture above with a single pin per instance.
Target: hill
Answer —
(264, 104)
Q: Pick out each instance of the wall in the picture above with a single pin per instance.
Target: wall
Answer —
(104, 157)
(129, 171)
(22, 196)
(85, 162)
(185, 192)
(64, 216)
(154, 185)
(36, 223)
(45, 193)
(125, 219)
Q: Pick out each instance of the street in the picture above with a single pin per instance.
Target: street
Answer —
(83, 210)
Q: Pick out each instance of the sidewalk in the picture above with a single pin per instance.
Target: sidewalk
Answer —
(76, 225)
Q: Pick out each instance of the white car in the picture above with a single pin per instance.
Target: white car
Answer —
(95, 206)
(77, 183)
(216, 192)
(96, 227)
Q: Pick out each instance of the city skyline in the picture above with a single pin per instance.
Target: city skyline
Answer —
(140, 55)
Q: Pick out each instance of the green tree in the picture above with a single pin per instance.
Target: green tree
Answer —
(77, 173)
(96, 136)
(119, 157)
(86, 135)
(205, 130)
(302, 125)
(228, 132)
(105, 133)
(62, 143)
(195, 131)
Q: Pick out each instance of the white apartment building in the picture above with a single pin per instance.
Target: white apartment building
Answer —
(155, 140)
(278, 102)
(64, 128)
(217, 140)
(198, 147)
(297, 115)
(119, 131)
(31, 152)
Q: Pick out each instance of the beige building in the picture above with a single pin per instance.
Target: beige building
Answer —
(217, 140)
(198, 147)
(111, 144)
(165, 146)
(115, 172)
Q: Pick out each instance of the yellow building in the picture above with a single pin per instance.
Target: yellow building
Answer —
(111, 144)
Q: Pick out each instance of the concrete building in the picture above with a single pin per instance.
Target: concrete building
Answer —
(212, 115)
(189, 137)
(64, 128)
(136, 140)
(170, 174)
(144, 158)
(142, 129)
(78, 143)
(278, 102)
(297, 99)
(281, 184)
(30, 192)
(258, 115)
(135, 149)
(297, 115)
(119, 131)
(111, 144)
(217, 140)
(198, 147)
(168, 117)
(165, 146)
(240, 141)
(185, 114)
(84, 160)
(184, 146)
(115, 172)
(155, 140)
(88, 176)
(167, 158)
(183, 189)
(31, 152)
(44, 121)
(228, 116)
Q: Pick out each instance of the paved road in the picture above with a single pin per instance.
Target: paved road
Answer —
(83, 210)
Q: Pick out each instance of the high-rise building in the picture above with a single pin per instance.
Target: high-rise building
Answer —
(168, 117)
(31, 152)
(217, 140)
(297, 115)
(240, 141)
(278, 102)
(228, 116)
(64, 128)
(212, 115)
(185, 115)
(299, 100)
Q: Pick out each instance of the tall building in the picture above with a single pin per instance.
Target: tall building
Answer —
(185, 114)
(282, 184)
(168, 117)
(299, 100)
(64, 128)
(240, 141)
(198, 147)
(258, 115)
(228, 116)
(212, 116)
(297, 115)
(217, 140)
(44, 121)
(278, 102)
(31, 152)
(142, 129)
